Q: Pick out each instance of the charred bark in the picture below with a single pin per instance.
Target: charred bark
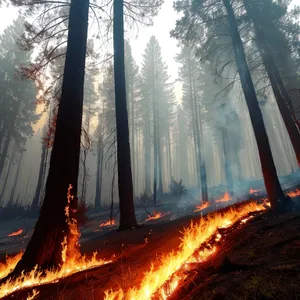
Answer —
(45, 246)
(127, 214)
(274, 191)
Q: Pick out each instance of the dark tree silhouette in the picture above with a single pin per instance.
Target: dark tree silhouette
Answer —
(44, 248)
(127, 215)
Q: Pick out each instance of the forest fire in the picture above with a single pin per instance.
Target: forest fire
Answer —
(226, 197)
(72, 261)
(170, 268)
(108, 223)
(16, 233)
(294, 194)
(202, 206)
(252, 191)
(156, 215)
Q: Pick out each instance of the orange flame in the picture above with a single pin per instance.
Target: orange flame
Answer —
(202, 206)
(226, 197)
(15, 233)
(294, 194)
(193, 237)
(33, 295)
(252, 191)
(108, 223)
(72, 261)
(156, 215)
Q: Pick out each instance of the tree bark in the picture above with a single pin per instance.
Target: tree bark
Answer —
(127, 214)
(37, 195)
(274, 191)
(281, 96)
(45, 246)
(5, 149)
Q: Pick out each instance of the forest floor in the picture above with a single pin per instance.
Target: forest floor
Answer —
(261, 260)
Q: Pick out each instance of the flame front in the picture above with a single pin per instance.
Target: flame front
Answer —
(294, 194)
(72, 261)
(193, 237)
(226, 197)
(156, 215)
(15, 233)
(108, 223)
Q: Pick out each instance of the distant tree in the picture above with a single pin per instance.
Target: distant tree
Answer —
(158, 100)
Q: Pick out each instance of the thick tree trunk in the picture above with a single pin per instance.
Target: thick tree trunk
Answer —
(127, 215)
(37, 195)
(274, 191)
(45, 246)
(281, 96)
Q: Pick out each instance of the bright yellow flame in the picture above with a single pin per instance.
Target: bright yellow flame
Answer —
(72, 261)
(193, 236)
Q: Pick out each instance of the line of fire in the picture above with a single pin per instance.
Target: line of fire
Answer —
(149, 150)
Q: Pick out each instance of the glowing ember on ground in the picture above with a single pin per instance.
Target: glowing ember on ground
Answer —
(108, 223)
(252, 191)
(194, 236)
(226, 197)
(202, 206)
(294, 194)
(72, 261)
(156, 215)
(15, 233)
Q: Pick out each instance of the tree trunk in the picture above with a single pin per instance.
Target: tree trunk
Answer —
(228, 170)
(160, 166)
(7, 173)
(147, 155)
(276, 82)
(37, 195)
(274, 191)
(99, 172)
(127, 215)
(155, 152)
(45, 246)
(5, 150)
(12, 194)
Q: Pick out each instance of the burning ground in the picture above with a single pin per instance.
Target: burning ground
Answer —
(239, 232)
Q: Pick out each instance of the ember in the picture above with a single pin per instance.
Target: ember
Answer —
(202, 206)
(226, 197)
(252, 191)
(294, 194)
(15, 233)
(108, 223)
(72, 259)
(170, 266)
(156, 215)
